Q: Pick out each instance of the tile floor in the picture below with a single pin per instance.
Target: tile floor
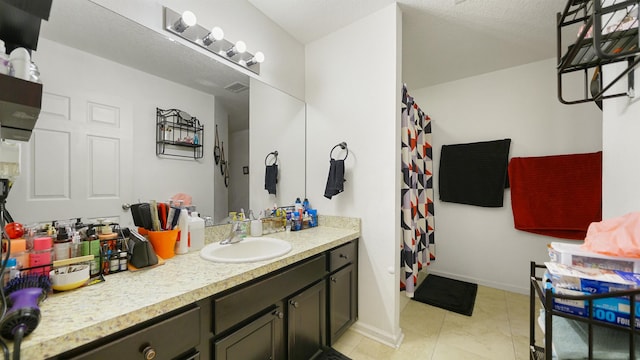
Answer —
(497, 330)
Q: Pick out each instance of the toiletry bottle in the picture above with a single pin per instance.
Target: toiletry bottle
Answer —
(123, 260)
(42, 254)
(19, 252)
(305, 205)
(297, 205)
(20, 62)
(256, 225)
(11, 271)
(62, 244)
(182, 245)
(196, 232)
(5, 64)
(288, 223)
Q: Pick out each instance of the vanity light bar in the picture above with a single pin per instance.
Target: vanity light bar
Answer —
(212, 40)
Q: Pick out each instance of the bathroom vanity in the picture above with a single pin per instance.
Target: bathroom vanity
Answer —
(190, 308)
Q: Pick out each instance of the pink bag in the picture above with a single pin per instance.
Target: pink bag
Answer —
(615, 237)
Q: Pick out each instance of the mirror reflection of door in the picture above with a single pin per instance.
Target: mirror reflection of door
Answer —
(78, 162)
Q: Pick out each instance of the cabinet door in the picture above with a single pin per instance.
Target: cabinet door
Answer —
(343, 301)
(307, 322)
(261, 339)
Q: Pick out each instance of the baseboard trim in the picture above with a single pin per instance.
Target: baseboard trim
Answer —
(376, 334)
(495, 285)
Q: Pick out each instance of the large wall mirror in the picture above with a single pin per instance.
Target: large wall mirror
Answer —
(75, 184)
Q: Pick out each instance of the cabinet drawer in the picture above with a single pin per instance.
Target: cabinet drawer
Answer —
(248, 300)
(160, 338)
(342, 256)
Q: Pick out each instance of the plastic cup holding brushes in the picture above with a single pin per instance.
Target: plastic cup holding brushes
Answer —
(165, 225)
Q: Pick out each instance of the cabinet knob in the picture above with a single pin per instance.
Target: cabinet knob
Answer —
(126, 206)
(149, 353)
(279, 314)
(295, 304)
(333, 279)
(344, 256)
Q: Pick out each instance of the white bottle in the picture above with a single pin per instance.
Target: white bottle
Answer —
(5, 65)
(21, 62)
(196, 232)
(256, 228)
(182, 246)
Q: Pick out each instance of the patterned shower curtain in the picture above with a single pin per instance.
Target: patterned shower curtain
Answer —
(417, 216)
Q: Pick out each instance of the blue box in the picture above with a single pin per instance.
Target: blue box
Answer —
(575, 280)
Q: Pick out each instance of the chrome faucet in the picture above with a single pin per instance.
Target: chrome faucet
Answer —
(236, 234)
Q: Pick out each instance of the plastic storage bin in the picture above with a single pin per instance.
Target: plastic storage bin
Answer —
(572, 254)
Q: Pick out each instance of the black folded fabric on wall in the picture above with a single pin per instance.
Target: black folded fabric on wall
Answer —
(271, 178)
(474, 173)
(335, 180)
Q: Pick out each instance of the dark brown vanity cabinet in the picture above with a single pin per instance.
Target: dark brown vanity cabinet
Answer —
(291, 313)
(249, 321)
(262, 338)
(307, 322)
(343, 289)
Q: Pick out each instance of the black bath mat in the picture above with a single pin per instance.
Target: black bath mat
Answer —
(449, 294)
(331, 354)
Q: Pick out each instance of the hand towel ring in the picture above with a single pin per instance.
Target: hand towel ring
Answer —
(275, 158)
(343, 146)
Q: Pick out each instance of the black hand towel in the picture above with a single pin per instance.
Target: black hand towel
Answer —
(335, 181)
(474, 173)
(271, 178)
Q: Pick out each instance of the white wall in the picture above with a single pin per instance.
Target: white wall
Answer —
(353, 95)
(480, 244)
(220, 192)
(621, 168)
(277, 123)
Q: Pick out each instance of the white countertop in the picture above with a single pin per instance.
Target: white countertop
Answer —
(71, 319)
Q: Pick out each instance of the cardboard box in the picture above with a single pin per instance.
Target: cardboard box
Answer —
(574, 280)
(572, 254)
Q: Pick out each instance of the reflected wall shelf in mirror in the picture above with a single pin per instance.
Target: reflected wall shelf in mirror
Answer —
(178, 134)
(600, 32)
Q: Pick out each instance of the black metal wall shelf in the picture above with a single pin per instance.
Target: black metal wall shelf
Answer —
(605, 32)
(178, 134)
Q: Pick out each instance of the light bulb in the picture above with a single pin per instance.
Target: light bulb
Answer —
(216, 34)
(256, 59)
(238, 48)
(241, 47)
(186, 20)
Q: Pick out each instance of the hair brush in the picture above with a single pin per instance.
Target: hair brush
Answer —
(24, 294)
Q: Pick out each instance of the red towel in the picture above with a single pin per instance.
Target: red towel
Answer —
(557, 196)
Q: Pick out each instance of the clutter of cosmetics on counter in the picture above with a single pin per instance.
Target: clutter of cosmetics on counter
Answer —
(285, 218)
(64, 247)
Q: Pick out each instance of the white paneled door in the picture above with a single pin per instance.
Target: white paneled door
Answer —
(78, 162)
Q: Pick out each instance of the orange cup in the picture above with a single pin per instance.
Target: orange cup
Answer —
(164, 242)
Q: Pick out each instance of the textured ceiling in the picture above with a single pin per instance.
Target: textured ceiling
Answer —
(443, 40)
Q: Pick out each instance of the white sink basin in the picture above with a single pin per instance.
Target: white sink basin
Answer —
(250, 249)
